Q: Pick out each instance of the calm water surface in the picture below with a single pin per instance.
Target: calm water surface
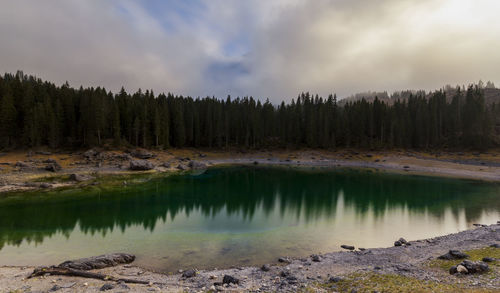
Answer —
(239, 216)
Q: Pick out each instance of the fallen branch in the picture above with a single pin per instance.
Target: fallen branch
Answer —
(59, 271)
(80, 267)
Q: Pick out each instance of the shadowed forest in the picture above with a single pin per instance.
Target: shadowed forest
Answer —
(39, 113)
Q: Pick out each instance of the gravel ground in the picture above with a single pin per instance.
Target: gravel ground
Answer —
(288, 275)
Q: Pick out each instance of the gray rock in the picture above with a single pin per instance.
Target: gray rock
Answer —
(182, 167)
(335, 279)
(80, 177)
(196, 165)
(402, 240)
(284, 260)
(474, 267)
(495, 245)
(348, 247)
(189, 273)
(53, 167)
(142, 154)
(265, 268)
(453, 254)
(107, 287)
(141, 165)
(230, 280)
(453, 270)
(90, 154)
(488, 259)
(55, 288)
(398, 243)
(22, 165)
(315, 258)
(45, 185)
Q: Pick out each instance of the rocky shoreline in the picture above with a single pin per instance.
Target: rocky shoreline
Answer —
(414, 262)
(46, 170)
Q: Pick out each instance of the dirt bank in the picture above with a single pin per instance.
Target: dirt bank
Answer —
(34, 170)
(411, 268)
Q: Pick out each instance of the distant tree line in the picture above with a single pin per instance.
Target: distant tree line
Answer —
(38, 113)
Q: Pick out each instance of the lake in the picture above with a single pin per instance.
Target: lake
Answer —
(235, 216)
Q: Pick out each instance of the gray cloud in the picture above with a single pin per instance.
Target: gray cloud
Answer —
(270, 49)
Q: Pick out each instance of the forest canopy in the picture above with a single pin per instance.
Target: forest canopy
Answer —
(38, 113)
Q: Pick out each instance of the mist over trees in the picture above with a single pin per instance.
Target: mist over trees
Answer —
(37, 113)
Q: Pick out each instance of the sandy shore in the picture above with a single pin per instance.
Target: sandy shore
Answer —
(27, 170)
(413, 267)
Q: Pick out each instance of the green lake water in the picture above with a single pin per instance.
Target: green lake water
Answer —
(238, 216)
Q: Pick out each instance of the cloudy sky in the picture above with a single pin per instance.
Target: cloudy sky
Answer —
(263, 48)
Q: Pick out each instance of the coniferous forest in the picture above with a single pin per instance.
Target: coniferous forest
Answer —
(39, 113)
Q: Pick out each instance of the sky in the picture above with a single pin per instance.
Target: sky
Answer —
(262, 48)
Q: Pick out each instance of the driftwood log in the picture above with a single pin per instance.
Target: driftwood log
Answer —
(80, 268)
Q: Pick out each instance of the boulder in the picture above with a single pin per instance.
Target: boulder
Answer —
(469, 267)
(53, 167)
(315, 258)
(495, 245)
(488, 259)
(453, 254)
(398, 243)
(107, 287)
(98, 262)
(189, 273)
(348, 247)
(462, 270)
(196, 165)
(22, 165)
(402, 240)
(142, 154)
(141, 165)
(265, 268)
(230, 280)
(181, 167)
(80, 177)
(90, 154)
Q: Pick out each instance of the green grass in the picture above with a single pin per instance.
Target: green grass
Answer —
(371, 282)
(474, 255)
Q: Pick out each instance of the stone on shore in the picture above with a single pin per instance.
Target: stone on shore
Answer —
(53, 167)
(348, 247)
(453, 254)
(189, 273)
(230, 280)
(141, 165)
(196, 165)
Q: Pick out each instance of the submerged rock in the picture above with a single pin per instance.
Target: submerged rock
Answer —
(141, 165)
(453, 254)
